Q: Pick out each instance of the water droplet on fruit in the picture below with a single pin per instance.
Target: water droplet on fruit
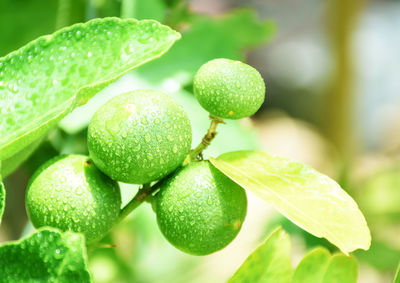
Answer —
(144, 121)
(78, 34)
(136, 147)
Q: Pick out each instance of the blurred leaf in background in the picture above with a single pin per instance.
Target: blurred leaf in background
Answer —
(23, 20)
(378, 195)
(205, 38)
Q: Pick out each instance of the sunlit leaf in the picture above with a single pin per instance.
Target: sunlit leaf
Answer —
(318, 266)
(310, 199)
(45, 256)
(341, 269)
(312, 267)
(269, 263)
(44, 80)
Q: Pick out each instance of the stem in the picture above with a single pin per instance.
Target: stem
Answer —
(205, 142)
(137, 200)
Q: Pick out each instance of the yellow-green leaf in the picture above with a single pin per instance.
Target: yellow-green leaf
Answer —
(318, 266)
(341, 269)
(312, 267)
(269, 263)
(310, 199)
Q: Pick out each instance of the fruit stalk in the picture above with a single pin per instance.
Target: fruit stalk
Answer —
(137, 200)
(205, 142)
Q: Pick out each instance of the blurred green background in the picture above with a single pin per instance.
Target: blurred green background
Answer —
(333, 101)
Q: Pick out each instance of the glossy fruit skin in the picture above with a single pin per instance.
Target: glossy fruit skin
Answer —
(70, 193)
(229, 89)
(139, 137)
(200, 210)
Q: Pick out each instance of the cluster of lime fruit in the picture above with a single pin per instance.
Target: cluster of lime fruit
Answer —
(143, 137)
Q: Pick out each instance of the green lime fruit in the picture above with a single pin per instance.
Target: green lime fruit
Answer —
(139, 137)
(229, 89)
(200, 210)
(71, 194)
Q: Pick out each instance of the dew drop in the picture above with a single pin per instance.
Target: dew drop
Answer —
(147, 137)
(136, 147)
(78, 34)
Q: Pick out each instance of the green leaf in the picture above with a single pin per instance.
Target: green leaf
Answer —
(270, 262)
(341, 269)
(312, 267)
(318, 266)
(44, 80)
(45, 256)
(308, 198)
(397, 276)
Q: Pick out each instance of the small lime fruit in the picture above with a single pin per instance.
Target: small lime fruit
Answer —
(229, 89)
(139, 137)
(71, 194)
(200, 210)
